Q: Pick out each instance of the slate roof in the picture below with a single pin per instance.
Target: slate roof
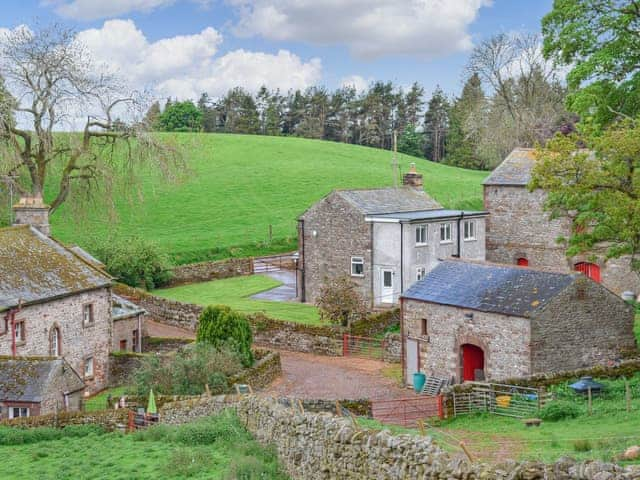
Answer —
(506, 290)
(122, 308)
(35, 268)
(389, 200)
(27, 379)
(514, 170)
(427, 215)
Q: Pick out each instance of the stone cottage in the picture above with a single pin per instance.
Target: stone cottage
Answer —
(127, 325)
(383, 239)
(53, 303)
(520, 232)
(37, 386)
(469, 321)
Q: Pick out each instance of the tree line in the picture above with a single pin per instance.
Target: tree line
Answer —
(511, 97)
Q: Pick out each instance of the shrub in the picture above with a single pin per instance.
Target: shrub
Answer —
(188, 371)
(222, 327)
(340, 302)
(582, 446)
(134, 261)
(559, 410)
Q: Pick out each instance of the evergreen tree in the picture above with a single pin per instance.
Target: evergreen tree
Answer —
(152, 116)
(436, 125)
(209, 117)
(411, 141)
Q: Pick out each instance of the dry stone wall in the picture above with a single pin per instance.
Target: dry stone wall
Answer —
(205, 271)
(109, 419)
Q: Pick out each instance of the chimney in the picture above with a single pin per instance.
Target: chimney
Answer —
(412, 178)
(32, 211)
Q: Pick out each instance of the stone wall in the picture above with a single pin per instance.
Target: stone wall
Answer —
(163, 345)
(341, 233)
(184, 411)
(584, 325)
(205, 271)
(262, 373)
(376, 323)
(121, 366)
(78, 341)
(392, 348)
(109, 419)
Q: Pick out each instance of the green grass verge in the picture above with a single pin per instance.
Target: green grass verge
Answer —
(99, 401)
(236, 292)
(215, 448)
(238, 185)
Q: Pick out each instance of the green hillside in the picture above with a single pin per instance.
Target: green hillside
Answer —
(239, 185)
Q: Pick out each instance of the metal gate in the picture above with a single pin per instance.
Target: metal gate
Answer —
(407, 411)
(366, 347)
(498, 399)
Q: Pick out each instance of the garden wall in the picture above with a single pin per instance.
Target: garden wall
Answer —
(121, 366)
(109, 419)
(163, 345)
(392, 348)
(314, 446)
(262, 373)
(376, 323)
(205, 271)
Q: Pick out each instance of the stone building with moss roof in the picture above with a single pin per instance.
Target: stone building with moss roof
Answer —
(53, 302)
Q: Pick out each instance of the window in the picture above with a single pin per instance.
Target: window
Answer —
(469, 230)
(423, 327)
(357, 266)
(87, 314)
(19, 331)
(421, 235)
(17, 412)
(420, 273)
(445, 232)
(55, 342)
(88, 367)
(123, 345)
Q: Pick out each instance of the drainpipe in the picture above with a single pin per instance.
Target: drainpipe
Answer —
(139, 333)
(373, 295)
(10, 318)
(457, 255)
(303, 283)
(401, 258)
(403, 361)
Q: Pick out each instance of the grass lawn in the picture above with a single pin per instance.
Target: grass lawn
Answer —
(99, 401)
(216, 448)
(238, 185)
(236, 292)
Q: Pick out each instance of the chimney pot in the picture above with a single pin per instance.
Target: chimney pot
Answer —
(412, 178)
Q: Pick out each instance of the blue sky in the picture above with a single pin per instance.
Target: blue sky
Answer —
(182, 47)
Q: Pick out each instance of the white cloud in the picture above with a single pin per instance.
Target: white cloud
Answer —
(356, 81)
(370, 28)
(96, 9)
(185, 66)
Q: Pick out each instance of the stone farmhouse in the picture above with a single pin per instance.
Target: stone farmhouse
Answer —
(474, 321)
(57, 302)
(520, 232)
(37, 386)
(383, 239)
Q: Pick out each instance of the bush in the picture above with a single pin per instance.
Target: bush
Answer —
(559, 410)
(134, 261)
(340, 302)
(222, 327)
(582, 446)
(188, 371)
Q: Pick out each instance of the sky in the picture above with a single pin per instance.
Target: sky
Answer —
(181, 48)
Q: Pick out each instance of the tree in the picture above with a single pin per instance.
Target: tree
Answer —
(411, 142)
(598, 188)
(152, 116)
(181, 117)
(239, 112)
(52, 80)
(208, 113)
(436, 125)
(222, 327)
(340, 302)
(600, 41)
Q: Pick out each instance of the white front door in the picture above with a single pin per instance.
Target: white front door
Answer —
(386, 293)
(411, 359)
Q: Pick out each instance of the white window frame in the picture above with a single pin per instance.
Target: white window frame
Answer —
(87, 311)
(421, 272)
(88, 367)
(469, 227)
(19, 331)
(445, 228)
(357, 261)
(421, 235)
(21, 410)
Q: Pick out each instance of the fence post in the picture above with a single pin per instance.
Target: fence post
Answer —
(345, 344)
(589, 400)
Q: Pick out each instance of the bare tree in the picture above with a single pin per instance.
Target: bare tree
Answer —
(55, 86)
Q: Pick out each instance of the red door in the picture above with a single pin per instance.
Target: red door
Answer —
(522, 262)
(591, 270)
(472, 360)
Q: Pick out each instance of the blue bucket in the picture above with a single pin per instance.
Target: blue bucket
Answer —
(418, 381)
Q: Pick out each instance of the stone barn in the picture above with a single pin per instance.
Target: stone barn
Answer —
(520, 232)
(383, 239)
(470, 321)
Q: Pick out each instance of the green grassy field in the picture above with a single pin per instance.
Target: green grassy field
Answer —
(216, 448)
(239, 185)
(235, 293)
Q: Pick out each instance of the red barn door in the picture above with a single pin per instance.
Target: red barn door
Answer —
(591, 270)
(472, 360)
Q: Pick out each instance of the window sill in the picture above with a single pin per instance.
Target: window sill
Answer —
(446, 242)
(88, 377)
(357, 275)
(89, 325)
(21, 343)
(470, 239)
(421, 244)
